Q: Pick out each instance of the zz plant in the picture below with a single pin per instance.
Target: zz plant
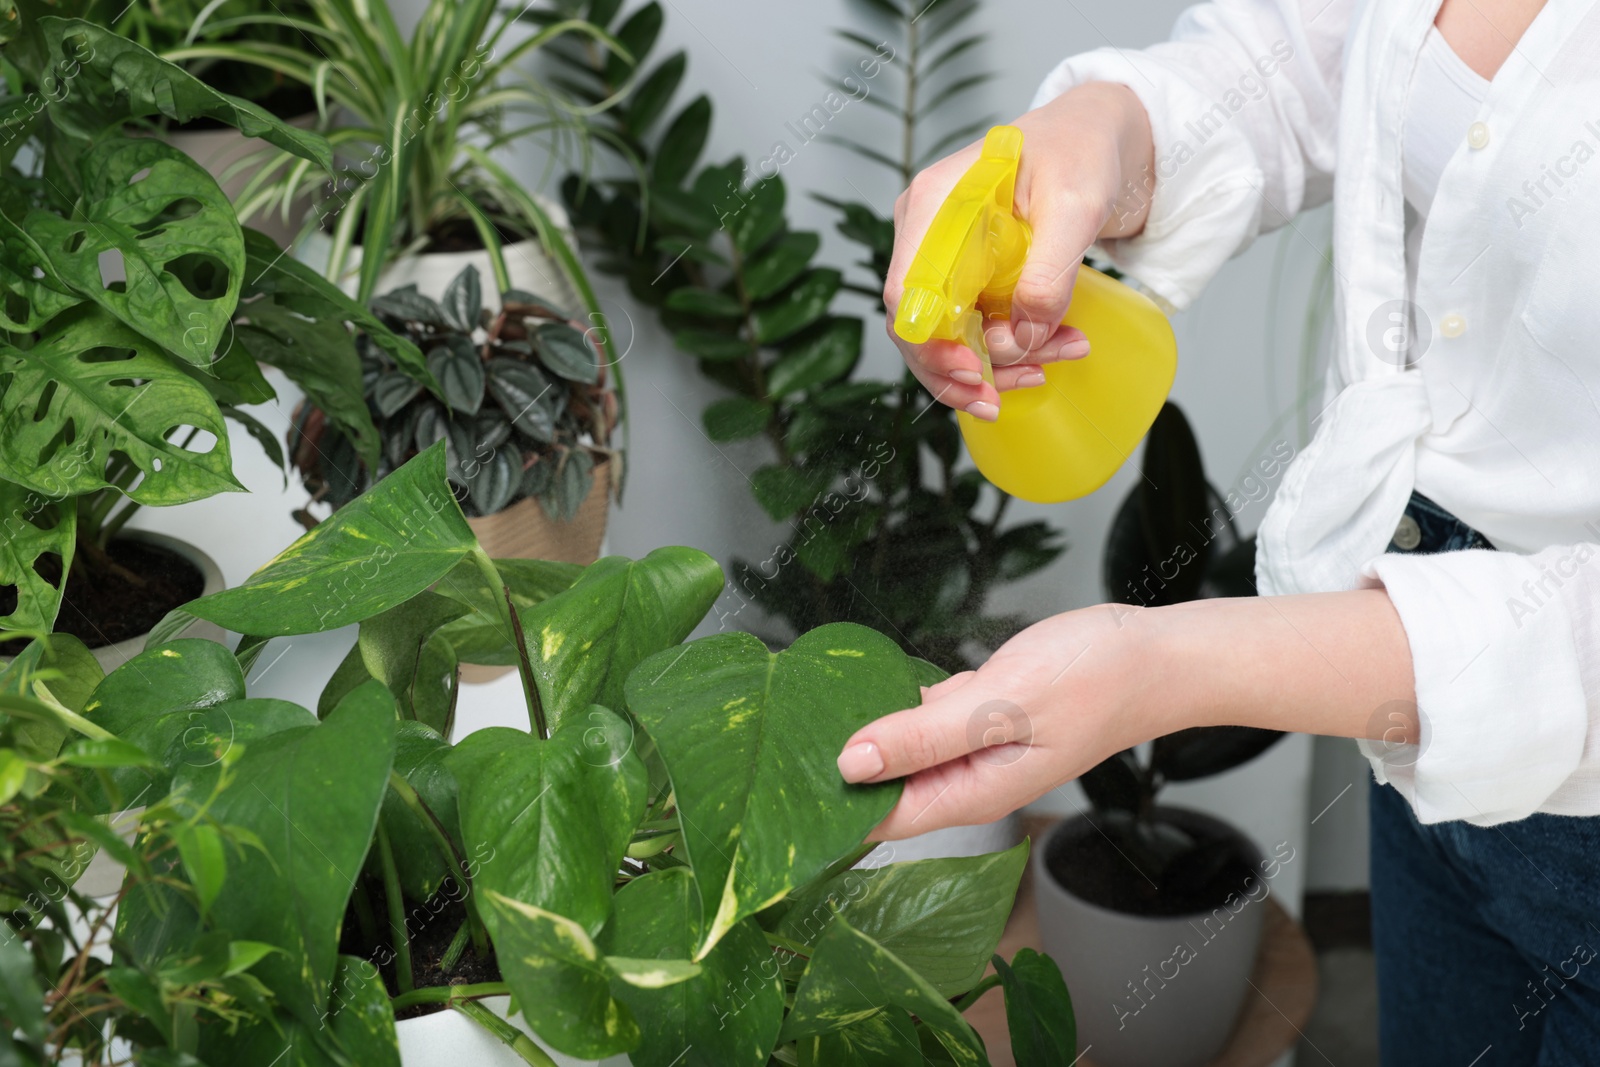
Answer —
(134, 308)
(888, 530)
(660, 865)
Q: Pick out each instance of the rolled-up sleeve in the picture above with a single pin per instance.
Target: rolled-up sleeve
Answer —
(1504, 651)
(1243, 106)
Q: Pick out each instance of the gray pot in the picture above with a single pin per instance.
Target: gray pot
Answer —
(1152, 992)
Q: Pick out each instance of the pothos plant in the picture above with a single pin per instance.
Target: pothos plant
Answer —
(888, 529)
(134, 310)
(61, 1000)
(660, 865)
(526, 410)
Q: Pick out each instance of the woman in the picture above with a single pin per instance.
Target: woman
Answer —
(1429, 569)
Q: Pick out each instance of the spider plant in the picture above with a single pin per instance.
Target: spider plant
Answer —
(418, 123)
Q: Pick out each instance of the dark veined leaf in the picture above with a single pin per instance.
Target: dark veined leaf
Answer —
(522, 391)
(736, 417)
(394, 390)
(569, 485)
(817, 358)
(797, 308)
(398, 538)
(681, 145)
(463, 300)
(460, 373)
(409, 305)
(779, 265)
(566, 353)
(495, 482)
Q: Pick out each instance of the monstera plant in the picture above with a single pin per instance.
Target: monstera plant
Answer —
(661, 864)
(134, 311)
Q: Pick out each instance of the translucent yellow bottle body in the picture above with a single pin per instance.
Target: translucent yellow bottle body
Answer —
(1064, 439)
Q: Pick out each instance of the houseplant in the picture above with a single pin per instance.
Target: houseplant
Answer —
(888, 531)
(59, 996)
(1162, 905)
(658, 866)
(135, 311)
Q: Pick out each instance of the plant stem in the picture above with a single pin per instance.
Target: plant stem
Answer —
(509, 1035)
(530, 689)
(397, 913)
(361, 901)
(458, 945)
(448, 994)
(977, 992)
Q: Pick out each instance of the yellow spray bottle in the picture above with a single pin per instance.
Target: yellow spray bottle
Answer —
(1063, 439)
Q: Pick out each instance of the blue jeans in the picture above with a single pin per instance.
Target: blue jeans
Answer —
(1487, 938)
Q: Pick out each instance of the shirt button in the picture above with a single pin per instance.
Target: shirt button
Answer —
(1452, 325)
(1408, 534)
(1477, 135)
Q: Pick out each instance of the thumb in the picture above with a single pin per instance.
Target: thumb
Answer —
(1063, 229)
(954, 723)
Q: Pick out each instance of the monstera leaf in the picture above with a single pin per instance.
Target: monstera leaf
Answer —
(172, 227)
(392, 542)
(749, 738)
(34, 528)
(90, 390)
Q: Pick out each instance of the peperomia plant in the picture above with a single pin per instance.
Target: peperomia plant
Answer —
(134, 310)
(661, 865)
(526, 409)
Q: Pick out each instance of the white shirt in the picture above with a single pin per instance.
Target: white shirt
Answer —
(1498, 416)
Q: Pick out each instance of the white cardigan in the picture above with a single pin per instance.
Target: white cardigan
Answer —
(1252, 103)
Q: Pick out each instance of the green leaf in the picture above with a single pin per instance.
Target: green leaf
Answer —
(395, 649)
(395, 540)
(1025, 549)
(851, 977)
(797, 308)
(463, 300)
(104, 752)
(1039, 1015)
(734, 418)
(567, 353)
(582, 643)
(35, 528)
(758, 216)
(712, 345)
(173, 229)
(706, 303)
(783, 490)
(358, 1020)
(91, 387)
(750, 737)
(696, 1023)
(115, 68)
(521, 390)
(555, 814)
(682, 143)
(205, 862)
(558, 976)
(779, 265)
(481, 635)
(494, 483)
(421, 756)
(940, 917)
(818, 358)
(460, 374)
(887, 1039)
(20, 995)
(148, 702)
(654, 93)
(311, 796)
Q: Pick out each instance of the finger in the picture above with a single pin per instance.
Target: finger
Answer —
(947, 686)
(1068, 342)
(949, 372)
(914, 211)
(951, 726)
(1021, 376)
(1063, 229)
(964, 792)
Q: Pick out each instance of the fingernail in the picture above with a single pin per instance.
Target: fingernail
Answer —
(1031, 379)
(1075, 349)
(967, 377)
(982, 409)
(860, 762)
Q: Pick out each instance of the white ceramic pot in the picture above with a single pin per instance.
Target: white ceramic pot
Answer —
(529, 266)
(103, 876)
(219, 149)
(449, 1039)
(953, 842)
(1151, 992)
